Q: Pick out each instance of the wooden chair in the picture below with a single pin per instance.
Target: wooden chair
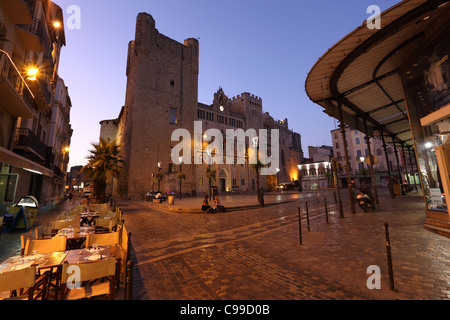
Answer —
(61, 224)
(23, 241)
(125, 251)
(45, 245)
(105, 223)
(102, 239)
(89, 271)
(24, 280)
(41, 233)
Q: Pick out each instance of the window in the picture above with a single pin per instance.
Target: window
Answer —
(358, 154)
(357, 140)
(242, 182)
(173, 115)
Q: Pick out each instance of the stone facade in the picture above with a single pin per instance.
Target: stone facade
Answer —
(162, 96)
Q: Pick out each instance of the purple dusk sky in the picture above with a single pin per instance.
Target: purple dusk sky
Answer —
(263, 47)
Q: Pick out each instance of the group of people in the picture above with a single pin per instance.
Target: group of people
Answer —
(216, 207)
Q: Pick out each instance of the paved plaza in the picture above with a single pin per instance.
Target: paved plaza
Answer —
(255, 254)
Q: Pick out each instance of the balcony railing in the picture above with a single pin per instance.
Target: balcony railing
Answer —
(9, 71)
(31, 5)
(25, 138)
(59, 173)
(38, 29)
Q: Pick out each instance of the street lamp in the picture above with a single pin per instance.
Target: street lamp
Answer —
(278, 170)
(159, 181)
(32, 73)
(181, 166)
(209, 166)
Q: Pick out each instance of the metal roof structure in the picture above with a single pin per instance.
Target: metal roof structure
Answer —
(361, 73)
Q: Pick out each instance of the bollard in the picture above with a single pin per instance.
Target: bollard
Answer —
(389, 257)
(335, 199)
(129, 281)
(307, 216)
(326, 209)
(300, 225)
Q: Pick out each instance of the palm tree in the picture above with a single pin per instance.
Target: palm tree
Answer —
(258, 165)
(104, 163)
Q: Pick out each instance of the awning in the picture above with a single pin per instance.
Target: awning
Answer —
(361, 71)
(15, 160)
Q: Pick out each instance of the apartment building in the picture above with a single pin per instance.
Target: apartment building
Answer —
(35, 106)
(358, 153)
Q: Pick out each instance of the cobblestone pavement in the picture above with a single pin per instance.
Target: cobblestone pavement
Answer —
(255, 254)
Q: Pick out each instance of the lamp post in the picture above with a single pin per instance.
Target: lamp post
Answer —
(209, 167)
(159, 181)
(181, 166)
(278, 170)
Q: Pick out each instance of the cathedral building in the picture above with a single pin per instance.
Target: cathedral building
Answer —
(161, 97)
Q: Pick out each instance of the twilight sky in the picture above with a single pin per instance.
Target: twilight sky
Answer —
(263, 47)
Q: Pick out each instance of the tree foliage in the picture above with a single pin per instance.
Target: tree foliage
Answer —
(104, 163)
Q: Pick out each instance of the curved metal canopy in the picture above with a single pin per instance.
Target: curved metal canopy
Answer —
(361, 72)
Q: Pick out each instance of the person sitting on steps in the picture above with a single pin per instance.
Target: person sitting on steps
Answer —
(206, 206)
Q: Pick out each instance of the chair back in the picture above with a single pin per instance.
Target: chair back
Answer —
(91, 270)
(38, 232)
(18, 279)
(124, 250)
(23, 241)
(106, 222)
(102, 239)
(61, 224)
(45, 245)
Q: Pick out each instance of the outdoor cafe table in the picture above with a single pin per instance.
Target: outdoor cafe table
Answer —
(92, 254)
(88, 218)
(43, 261)
(75, 239)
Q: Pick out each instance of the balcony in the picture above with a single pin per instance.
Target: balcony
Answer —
(15, 95)
(42, 94)
(28, 145)
(33, 36)
(19, 11)
(59, 173)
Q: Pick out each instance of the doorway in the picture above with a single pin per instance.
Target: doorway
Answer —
(222, 184)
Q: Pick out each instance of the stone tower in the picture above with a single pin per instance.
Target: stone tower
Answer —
(161, 96)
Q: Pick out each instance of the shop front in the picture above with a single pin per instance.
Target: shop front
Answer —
(393, 83)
